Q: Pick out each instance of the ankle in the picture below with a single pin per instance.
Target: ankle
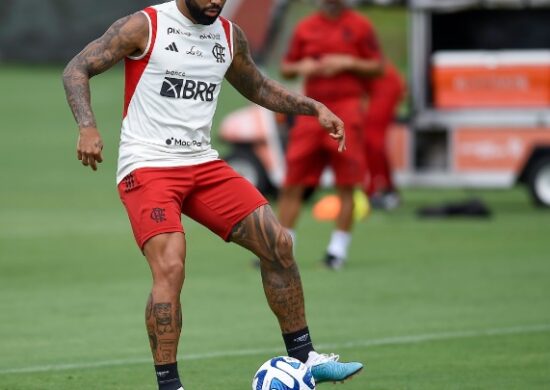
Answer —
(298, 344)
(168, 376)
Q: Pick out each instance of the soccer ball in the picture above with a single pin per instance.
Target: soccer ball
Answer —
(283, 373)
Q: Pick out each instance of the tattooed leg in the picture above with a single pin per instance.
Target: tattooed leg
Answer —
(261, 233)
(166, 256)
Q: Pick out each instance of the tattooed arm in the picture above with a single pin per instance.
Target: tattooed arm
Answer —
(125, 37)
(245, 76)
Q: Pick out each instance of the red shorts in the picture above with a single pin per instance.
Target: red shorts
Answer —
(212, 194)
(311, 149)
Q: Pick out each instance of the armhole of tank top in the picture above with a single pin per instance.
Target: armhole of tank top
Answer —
(149, 39)
(228, 28)
(232, 47)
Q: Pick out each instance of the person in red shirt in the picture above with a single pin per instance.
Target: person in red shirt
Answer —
(334, 50)
(384, 94)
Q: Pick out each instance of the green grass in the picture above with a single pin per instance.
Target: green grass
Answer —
(415, 303)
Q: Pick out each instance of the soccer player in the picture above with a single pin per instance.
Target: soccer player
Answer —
(334, 51)
(384, 95)
(176, 55)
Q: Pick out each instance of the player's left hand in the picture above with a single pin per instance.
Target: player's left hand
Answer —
(334, 126)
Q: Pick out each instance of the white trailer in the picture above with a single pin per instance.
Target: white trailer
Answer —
(480, 96)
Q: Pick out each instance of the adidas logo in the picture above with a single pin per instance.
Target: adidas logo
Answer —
(172, 47)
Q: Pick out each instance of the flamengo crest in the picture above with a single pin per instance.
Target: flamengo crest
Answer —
(219, 52)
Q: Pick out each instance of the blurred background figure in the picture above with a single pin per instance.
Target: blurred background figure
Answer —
(384, 95)
(334, 51)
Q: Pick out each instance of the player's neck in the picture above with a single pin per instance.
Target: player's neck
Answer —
(333, 14)
(182, 7)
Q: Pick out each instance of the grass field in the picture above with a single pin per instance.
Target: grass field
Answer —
(461, 304)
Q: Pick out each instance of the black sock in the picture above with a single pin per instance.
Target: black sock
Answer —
(168, 377)
(298, 344)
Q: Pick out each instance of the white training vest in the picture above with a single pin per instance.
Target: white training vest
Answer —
(172, 90)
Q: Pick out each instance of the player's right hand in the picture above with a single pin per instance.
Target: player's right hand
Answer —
(89, 147)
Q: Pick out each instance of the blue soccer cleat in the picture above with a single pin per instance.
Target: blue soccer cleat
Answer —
(327, 368)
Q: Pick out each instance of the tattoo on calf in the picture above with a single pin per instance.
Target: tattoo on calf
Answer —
(149, 308)
(163, 320)
(153, 341)
(167, 350)
(262, 234)
(179, 318)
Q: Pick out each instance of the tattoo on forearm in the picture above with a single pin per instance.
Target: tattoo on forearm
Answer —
(261, 233)
(77, 89)
(245, 76)
(100, 55)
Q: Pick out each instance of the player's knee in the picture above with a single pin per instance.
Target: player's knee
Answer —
(284, 252)
(169, 270)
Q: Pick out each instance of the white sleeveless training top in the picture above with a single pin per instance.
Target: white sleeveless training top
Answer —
(172, 90)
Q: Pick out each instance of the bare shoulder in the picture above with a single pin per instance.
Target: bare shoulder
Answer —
(138, 21)
(132, 28)
(240, 42)
(126, 36)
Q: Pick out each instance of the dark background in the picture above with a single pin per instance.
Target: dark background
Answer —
(54, 30)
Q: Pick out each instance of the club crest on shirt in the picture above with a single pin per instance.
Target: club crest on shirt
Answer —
(219, 53)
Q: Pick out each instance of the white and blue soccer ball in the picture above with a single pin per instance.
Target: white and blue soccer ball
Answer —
(283, 373)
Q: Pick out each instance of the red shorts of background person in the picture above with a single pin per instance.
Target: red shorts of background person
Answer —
(311, 149)
(212, 194)
(384, 93)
